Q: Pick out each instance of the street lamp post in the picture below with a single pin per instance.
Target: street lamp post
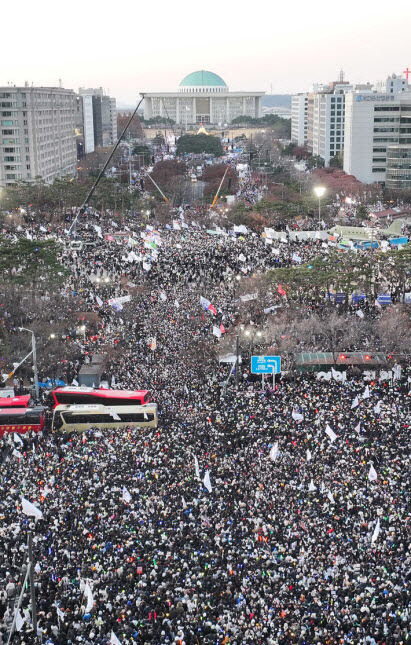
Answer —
(319, 191)
(33, 346)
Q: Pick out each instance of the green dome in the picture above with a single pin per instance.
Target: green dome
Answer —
(202, 79)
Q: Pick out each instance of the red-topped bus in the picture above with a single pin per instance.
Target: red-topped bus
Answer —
(72, 395)
(15, 401)
(22, 420)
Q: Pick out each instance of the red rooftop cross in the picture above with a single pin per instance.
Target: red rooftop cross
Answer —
(407, 72)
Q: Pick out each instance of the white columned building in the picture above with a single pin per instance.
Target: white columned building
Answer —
(202, 98)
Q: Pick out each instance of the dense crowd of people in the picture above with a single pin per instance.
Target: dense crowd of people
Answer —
(251, 515)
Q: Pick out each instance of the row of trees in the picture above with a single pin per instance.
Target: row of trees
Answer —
(281, 127)
(342, 272)
(31, 278)
(39, 199)
(199, 144)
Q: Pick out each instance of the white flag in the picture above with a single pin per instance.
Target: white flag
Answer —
(99, 301)
(19, 621)
(197, 467)
(359, 313)
(311, 487)
(89, 596)
(358, 428)
(377, 407)
(114, 640)
(17, 438)
(308, 454)
(176, 304)
(74, 382)
(330, 497)
(204, 302)
(184, 503)
(274, 452)
(176, 226)
(372, 475)
(376, 532)
(337, 376)
(29, 509)
(355, 402)
(146, 266)
(207, 482)
(297, 417)
(114, 415)
(330, 433)
(126, 496)
(216, 331)
(17, 454)
(163, 296)
(366, 393)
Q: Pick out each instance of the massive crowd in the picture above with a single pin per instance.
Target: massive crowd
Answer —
(293, 540)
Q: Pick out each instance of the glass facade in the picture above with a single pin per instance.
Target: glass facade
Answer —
(398, 174)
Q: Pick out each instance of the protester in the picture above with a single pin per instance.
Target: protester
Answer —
(252, 515)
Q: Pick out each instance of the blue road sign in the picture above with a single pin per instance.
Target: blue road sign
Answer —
(384, 299)
(265, 364)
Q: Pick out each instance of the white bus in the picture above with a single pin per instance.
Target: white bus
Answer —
(82, 417)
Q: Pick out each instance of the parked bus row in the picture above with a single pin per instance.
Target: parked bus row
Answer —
(79, 408)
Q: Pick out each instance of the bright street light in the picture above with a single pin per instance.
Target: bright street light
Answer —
(52, 335)
(319, 191)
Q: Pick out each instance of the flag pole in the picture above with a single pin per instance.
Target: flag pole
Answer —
(159, 189)
(32, 588)
(103, 170)
(19, 605)
(219, 188)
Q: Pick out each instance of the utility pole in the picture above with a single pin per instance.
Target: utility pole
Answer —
(34, 354)
(237, 363)
(36, 375)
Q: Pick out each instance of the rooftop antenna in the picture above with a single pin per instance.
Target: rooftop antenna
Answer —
(60, 84)
(341, 78)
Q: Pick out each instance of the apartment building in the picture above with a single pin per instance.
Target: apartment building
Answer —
(299, 123)
(37, 134)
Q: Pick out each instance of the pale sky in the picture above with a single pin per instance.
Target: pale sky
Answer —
(132, 46)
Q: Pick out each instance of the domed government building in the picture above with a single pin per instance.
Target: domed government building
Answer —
(202, 97)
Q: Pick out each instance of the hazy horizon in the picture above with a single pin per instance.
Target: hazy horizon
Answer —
(287, 47)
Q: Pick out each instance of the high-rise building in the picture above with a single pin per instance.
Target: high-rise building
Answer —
(99, 119)
(299, 119)
(37, 134)
(325, 121)
(318, 118)
(202, 97)
(373, 123)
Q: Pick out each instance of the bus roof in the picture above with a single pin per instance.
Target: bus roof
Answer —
(93, 407)
(39, 408)
(15, 401)
(101, 392)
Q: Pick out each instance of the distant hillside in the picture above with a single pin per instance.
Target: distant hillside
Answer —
(276, 100)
